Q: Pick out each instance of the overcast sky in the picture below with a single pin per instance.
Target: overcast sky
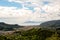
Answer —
(29, 12)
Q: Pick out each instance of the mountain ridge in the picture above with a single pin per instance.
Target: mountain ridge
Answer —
(54, 24)
(6, 27)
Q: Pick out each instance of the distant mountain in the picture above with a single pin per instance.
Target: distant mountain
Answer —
(54, 24)
(8, 27)
(31, 22)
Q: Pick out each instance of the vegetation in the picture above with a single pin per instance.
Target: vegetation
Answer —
(8, 27)
(32, 34)
(50, 32)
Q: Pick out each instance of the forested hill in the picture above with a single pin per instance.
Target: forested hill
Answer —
(8, 27)
(54, 24)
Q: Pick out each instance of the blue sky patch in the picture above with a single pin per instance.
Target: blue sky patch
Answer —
(10, 4)
(46, 2)
(29, 8)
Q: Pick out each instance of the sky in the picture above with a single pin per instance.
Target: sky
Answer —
(29, 12)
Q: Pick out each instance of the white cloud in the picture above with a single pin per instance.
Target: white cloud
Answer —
(13, 15)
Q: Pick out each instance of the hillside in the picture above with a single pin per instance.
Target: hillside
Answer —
(8, 27)
(32, 34)
(35, 32)
(54, 24)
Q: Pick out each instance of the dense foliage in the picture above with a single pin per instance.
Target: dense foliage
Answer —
(32, 34)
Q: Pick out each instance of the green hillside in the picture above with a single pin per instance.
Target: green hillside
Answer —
(32, 34)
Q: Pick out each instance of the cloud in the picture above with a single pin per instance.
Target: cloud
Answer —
(13, 14)
(32, 11)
